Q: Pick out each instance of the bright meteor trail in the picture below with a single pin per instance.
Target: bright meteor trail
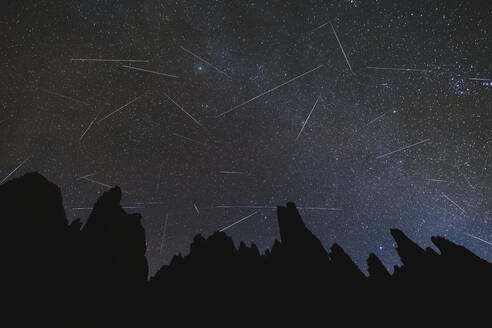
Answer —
(268, 91)
(229, 226)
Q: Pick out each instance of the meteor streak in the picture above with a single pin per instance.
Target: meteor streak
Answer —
(477, 238)
(97, 182)
(189, 139)
(399, 69)
(439, 180)
(246, 217)
(164, 233)
(321, 26)
(275, 207)
(18, 167)
(109, 60)
(66, 97)
(179, 106)
(453, 202)
(341, 47)
(88, 175)
(149, 203)
(147, 71)
(158, 184)
(83, 134)
(114, 112)
(403, 148)
(377, 118)
(90, 208)
(268, 91)
(206, 62)
(307, 119)
(485, 164)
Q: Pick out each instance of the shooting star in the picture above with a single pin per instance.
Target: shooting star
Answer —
(307, 119)
(403, 148)
(90, 208)
(189, 139)
(376, 119)
(453, 202)
(478, 79)
(320, 208)
(477, 238)
(90, 125)
(66, 97)
(321, 26)
(109, 60)
(18, 167)
(439, 180)
(268, 91)
(484, 168)
(246, 217)
(177, 105)
(147, 71)
(247, 206)
(275, 207)
(341, 47)
(468, 181)
(196, 209)
(206, 62)
(399, 69)
(86, 176)
(158, 184)
(114, 112)
(149, 203)
(231, 172)
(97, 182)
(163, 234)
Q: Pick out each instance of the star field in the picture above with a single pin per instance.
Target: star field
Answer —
(370, 114)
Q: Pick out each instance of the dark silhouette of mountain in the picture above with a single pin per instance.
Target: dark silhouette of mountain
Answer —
(95, 274)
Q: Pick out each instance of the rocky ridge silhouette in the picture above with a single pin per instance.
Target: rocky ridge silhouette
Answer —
(95, 274)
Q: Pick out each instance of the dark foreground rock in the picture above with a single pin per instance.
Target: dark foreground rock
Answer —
(95, 275)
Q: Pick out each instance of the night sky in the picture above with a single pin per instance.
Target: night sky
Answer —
(369, 114)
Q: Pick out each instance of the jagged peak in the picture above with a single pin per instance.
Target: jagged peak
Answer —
(217, 244)
(29, 182)
(376, 268)
(44, 199)
(276, 247)
(289, 216)
(198, 238)
(429, 251)
(407, 249)
(448, 248)
(221, 238)
(242, 246)
(106, 209)
(252, 250)
(176, 260)
(109, 198)
(341, 259)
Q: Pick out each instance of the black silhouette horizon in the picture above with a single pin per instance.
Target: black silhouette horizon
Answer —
(96, 274)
